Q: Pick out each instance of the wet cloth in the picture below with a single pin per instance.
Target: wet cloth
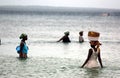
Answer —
(81, 39)
(92, 63)
(24, 50)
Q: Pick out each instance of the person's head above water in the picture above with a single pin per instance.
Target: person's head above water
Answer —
(67, 33)
(23, 36)
(81, 33)
(93, 37)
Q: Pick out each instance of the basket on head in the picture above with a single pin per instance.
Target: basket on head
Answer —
(93, 36)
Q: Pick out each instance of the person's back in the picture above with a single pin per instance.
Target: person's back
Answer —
(92, 62)
(94, 51)
(94, 54)
(66, 39)
(23, 47)
(81, 37)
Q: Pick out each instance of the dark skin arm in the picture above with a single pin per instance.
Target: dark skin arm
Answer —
(89, 55)
(99, 59)
(60, 39)
(21, 46)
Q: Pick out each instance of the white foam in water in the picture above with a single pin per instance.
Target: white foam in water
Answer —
(50, 59)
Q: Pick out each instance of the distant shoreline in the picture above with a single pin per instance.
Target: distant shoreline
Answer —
(56, 7)
(50, 10)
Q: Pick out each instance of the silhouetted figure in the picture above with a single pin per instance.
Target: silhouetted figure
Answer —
(65, 38)
(81, 39)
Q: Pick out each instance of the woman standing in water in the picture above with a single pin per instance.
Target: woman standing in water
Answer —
(65, 38)
(23, 47)
(94, 51)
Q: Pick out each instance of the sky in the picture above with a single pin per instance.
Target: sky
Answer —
(111, 4)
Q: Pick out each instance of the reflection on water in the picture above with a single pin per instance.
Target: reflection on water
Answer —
(92, 73)
(51, 67)
(58, 60)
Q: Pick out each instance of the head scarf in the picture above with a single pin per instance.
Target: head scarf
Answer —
(66, 33)
(22, 35)
(81, 32)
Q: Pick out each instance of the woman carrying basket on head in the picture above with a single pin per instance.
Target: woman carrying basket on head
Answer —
(94, 51)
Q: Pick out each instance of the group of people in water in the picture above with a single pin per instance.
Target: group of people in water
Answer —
(66, 39)
(93, 53)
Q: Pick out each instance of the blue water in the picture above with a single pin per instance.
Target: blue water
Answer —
(49, 59)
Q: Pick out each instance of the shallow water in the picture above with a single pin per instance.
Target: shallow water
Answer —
(50, 59)
(39, 67)
(58, 60)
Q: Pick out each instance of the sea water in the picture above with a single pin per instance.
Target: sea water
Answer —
(50, 59)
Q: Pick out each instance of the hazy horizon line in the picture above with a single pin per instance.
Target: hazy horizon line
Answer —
(57, 7)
